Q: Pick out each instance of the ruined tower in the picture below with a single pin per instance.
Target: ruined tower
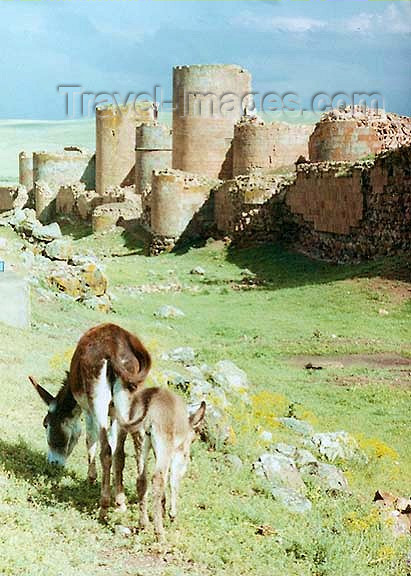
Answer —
(153, 152)
(115, 143)
(259, 146)
(208, 100)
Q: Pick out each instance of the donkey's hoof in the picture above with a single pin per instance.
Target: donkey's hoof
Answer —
(121, 507)
(172, 517)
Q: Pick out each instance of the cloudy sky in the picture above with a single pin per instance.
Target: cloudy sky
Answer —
(305, 47)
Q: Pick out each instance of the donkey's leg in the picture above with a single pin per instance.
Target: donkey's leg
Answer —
(178, 469)
(162, 451)
(142, 447)
(91, 442)
(105, 458)
(119, 460)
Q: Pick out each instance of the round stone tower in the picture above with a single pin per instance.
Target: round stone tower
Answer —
(208, 101)
(259, 146)
(153, 152)
(115, 143)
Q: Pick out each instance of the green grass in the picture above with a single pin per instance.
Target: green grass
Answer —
(300, 307)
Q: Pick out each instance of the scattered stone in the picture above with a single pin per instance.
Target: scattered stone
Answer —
(198, 270)
(23, 221)
(100, 303)
(336, 445)
(266, 436)
(167, 311)
(292, 499)
(186, 355)
(298, 426)
(396, 511)
(383, 312)
(231, 377)
(234, 461)
(93, 279)
(122, 531)
(280, 470)
(328, 476)
(46, 233)
(59, 249)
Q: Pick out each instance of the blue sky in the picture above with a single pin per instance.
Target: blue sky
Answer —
(305, 46)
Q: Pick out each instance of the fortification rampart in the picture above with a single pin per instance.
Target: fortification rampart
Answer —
(153, 153)
(259, 146)
(115, 143)
(350, 212)
(208, 101)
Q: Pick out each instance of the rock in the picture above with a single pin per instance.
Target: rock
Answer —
(234, 461)
(333, 445)
(266, 436)
(66, 199)
(292, 499)
(59, 249)
(198, 270)
(93, 280)
(46, 233)
(279, 470)
(67, 283)
(100, 303)
(169, 312)
(230, 377)
(328, 476)
(24, 221)
(383, 312)
(298, 426)
(122, 531)
(186, 355)
(303, 457)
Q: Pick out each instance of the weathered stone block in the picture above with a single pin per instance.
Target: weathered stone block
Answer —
(12, 197)
(107, 216)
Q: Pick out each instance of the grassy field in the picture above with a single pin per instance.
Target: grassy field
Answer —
(357, 315)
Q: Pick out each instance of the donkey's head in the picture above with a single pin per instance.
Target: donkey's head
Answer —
(62, 424)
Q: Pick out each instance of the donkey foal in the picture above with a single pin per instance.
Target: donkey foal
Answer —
(161, 422)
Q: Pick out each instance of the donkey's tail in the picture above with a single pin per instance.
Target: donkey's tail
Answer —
(132, 363)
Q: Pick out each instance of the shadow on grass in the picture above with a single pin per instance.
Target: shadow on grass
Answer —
(53, 484)
(74, 228)
(278, 267)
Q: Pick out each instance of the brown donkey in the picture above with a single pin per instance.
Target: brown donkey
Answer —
(161, 422)
(107, 372)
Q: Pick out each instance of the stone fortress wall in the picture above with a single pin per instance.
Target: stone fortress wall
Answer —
(338, 190)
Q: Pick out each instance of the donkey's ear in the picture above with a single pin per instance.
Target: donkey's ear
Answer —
(44, 395)
(198, 416)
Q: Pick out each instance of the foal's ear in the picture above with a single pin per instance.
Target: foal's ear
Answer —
(198, 416)
(42, 392)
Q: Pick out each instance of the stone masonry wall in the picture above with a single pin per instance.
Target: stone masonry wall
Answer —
(249, 208)
(348, 213)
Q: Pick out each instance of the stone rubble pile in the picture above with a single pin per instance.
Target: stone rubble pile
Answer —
(53, 263)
